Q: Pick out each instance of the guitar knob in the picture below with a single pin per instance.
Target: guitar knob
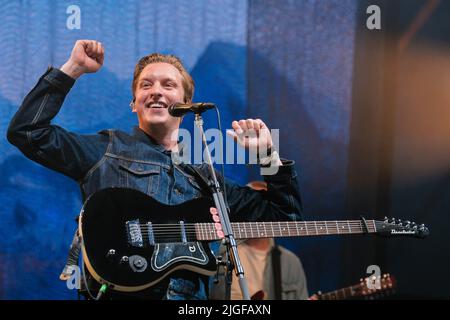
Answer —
(138, 263)
(124, 260)
(111, 253)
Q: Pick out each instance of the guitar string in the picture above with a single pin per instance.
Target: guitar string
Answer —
(285, 231)
(292, 224)
(211, 234)
(253, 227)
(242, 226)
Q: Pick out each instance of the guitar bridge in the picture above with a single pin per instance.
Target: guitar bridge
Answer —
(183, 232)
(151, 236)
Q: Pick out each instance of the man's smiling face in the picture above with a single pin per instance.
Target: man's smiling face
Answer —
(159, 86)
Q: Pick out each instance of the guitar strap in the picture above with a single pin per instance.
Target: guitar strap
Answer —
(276, 269)
(203, 177)
(72, 257)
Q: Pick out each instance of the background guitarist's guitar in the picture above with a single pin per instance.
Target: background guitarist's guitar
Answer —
(130, 241)
(372, 287)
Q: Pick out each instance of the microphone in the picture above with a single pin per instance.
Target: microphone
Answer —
(180, 109)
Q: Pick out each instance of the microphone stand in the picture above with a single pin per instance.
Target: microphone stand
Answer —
(222, 209)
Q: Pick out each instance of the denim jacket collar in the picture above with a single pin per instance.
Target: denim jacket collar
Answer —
(142, 136)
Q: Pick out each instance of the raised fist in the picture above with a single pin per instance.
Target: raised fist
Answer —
(86, 57)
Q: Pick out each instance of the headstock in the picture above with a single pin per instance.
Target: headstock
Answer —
(373, 287)
(376, 285)
(392, 227)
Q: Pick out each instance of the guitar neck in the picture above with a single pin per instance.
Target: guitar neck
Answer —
(249, 230)
(341, 294)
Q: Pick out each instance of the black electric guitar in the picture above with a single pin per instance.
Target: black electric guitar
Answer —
(369, 288)
(130, 241)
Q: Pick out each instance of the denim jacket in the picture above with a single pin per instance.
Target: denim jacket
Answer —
(113, 158)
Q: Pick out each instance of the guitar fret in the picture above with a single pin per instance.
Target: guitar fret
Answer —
(287, 226)
(196, 232)
(210, 231)
(203, 229)
(326, 227)
(341, 227)
(204, 233)
(296, 228)
(273, 232)
(303, 228)
(315, 225)
(213, 232)
(199, 233)
(236, 230)
(251, 230)
(320, 228)
(348, 224)
(245, 229)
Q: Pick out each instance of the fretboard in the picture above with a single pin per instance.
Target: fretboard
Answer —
(249, 230)
(341, 294)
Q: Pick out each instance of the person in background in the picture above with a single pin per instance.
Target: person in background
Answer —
(272, 271)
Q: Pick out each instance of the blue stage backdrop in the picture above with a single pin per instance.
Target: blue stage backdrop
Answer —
(286, 62)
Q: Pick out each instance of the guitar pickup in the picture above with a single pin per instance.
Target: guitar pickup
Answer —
(134, 233)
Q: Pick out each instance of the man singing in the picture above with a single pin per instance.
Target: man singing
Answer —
(142, 160)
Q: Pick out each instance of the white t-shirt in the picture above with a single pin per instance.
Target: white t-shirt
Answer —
(254, 262)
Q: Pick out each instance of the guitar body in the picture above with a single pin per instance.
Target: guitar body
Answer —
(130, 241)
(120, 248)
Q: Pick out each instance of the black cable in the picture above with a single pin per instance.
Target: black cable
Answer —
(223, 166)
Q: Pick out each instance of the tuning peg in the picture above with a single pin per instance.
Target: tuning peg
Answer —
(386, 219)
(406, 223)
(399, 221)
(392, 220)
